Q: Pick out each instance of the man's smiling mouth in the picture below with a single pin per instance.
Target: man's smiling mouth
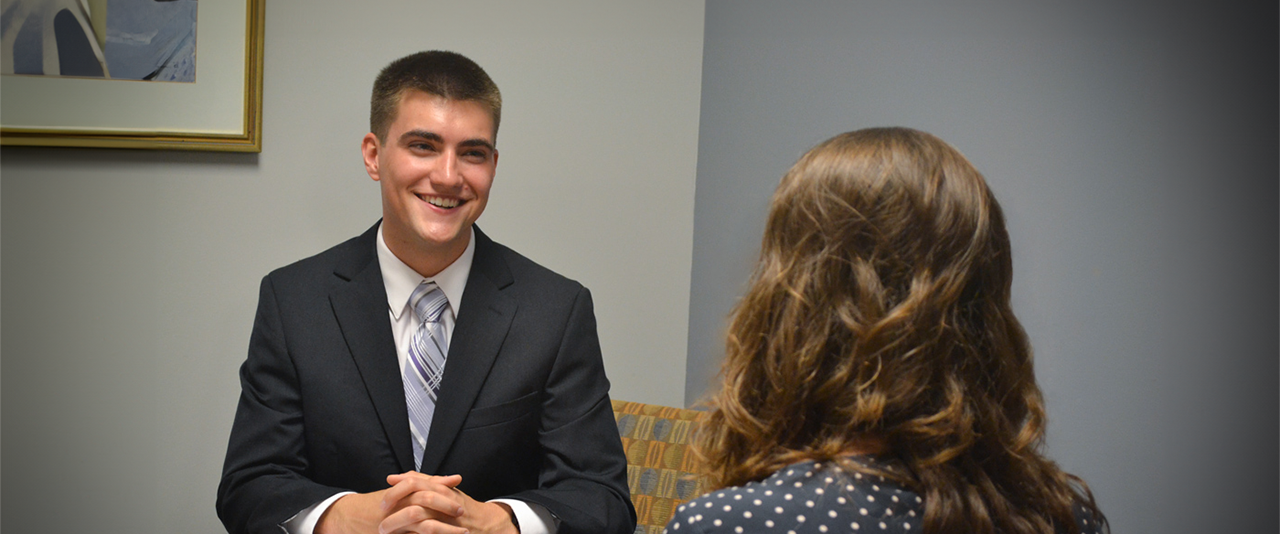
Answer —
(441, 202)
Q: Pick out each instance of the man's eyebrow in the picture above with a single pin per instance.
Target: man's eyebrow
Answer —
(476, 142)
(423, 134)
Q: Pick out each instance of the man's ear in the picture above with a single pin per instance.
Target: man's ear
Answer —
(495, 158)
(369, 147)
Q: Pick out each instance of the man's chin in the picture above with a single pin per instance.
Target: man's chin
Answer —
(445, 240)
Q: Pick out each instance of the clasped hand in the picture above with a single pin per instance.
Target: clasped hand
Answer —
(416, 503)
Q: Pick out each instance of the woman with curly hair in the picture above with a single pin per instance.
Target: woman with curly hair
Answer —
(876, 378)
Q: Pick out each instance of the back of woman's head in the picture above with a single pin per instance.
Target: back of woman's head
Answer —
(878, 319)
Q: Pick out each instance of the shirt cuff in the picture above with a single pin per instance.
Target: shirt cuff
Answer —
(533, 517)
(304, 522)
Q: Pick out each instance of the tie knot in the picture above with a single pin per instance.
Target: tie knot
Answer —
(428, 302)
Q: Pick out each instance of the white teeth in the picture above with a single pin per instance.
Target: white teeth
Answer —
(442, 202)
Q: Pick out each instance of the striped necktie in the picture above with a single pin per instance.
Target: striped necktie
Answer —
(425, 364)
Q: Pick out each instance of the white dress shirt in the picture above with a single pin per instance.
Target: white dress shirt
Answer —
(400, 280)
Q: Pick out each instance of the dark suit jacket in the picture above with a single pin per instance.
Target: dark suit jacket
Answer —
(523, 408)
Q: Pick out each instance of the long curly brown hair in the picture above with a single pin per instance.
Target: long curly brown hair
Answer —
(878, 317)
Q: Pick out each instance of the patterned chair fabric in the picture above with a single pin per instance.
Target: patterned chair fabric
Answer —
(662, 472)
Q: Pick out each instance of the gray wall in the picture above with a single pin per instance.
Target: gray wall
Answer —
(131, 278)
(1133, 146)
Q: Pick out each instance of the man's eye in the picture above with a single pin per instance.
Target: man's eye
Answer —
(478, 155)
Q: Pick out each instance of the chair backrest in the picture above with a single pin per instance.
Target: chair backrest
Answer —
(662, 472)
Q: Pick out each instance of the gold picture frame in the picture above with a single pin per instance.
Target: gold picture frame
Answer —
(220, 111)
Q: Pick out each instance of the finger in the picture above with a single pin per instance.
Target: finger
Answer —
(417, 520)
(405, 483)
(441, 500)
(403, 520)
(446, 480)
(401, 486)
(423, 490)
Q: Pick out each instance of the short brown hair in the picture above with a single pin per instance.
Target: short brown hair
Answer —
(449, 75)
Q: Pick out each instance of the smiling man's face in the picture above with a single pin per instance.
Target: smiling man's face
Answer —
(435, 168)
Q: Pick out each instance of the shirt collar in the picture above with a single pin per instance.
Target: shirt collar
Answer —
(400, 280)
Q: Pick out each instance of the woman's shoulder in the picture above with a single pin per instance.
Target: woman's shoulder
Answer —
(801, 498)
(1088, 522)
(815, 497)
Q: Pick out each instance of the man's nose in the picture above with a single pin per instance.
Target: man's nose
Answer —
(447, 172)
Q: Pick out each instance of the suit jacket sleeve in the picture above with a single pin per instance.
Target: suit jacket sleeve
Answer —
(583, 476)
(263, 481)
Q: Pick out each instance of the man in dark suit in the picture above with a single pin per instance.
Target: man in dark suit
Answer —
(346, 423)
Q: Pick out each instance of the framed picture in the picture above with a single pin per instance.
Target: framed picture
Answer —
(111, 74)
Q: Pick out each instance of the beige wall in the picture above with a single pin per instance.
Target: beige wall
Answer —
(131, 277)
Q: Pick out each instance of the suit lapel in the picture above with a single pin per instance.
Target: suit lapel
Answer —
(359, 301)
(484, 317)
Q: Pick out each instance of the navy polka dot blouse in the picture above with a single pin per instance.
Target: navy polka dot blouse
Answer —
(808, 498)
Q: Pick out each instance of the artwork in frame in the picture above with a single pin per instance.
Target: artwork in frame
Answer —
(176, 75)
